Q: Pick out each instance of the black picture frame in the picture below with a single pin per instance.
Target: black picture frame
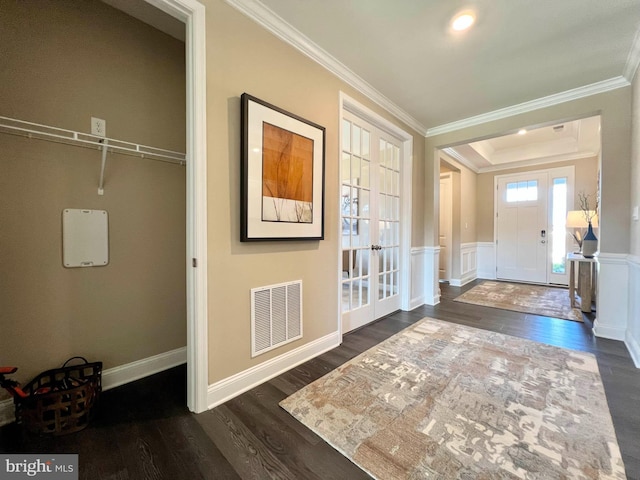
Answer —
(282, 174)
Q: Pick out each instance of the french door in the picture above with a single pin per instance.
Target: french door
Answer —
(531, 238)
(370, 217)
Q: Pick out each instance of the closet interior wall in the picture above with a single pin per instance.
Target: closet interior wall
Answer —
(64, 62)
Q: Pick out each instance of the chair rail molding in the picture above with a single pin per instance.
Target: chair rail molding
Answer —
(613, 296)
(632, 337)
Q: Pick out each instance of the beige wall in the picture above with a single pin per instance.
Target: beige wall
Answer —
(586, 174)
(243, 57)
(615, 110)
(63, 62)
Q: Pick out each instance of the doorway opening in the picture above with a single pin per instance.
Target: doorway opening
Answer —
(192, 14)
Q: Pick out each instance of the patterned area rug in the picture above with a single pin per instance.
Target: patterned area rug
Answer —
(444, 401)
(519, 297)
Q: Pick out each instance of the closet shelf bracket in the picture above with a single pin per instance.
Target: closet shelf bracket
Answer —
(105, 146)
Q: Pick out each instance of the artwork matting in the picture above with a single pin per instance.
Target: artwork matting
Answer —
(282, 194)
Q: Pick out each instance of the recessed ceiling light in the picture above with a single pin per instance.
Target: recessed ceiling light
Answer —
(522, 131)
(463, 21)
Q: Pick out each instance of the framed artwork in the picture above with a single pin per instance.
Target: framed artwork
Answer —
(282, 192)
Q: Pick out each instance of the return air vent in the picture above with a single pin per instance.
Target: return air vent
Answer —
(276, 316)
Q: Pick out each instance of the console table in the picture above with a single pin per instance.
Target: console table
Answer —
(587, 273)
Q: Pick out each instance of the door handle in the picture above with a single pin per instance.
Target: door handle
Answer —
(376, 247)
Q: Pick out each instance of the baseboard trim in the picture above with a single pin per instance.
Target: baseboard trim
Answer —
(416, 302)
(457, 282)
(116, 376)
(611, 333)
(234, 385)
(432, 301)
(634, 349)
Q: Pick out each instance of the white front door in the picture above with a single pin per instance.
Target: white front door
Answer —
(522, 231)
(370, 213)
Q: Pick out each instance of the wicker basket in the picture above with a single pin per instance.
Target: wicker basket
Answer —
(61, 400)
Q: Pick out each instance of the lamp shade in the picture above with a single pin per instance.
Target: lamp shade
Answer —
(576, 219)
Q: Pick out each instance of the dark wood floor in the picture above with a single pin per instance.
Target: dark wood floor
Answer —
(144, 431)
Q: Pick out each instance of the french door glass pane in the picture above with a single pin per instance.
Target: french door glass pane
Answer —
(346, 167)
(558, 233)
(355, 214)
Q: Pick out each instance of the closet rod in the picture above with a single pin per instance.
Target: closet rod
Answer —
(70, 137)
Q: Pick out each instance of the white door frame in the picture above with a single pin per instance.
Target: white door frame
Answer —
(192, 13)
(448, 211)
(351, 105)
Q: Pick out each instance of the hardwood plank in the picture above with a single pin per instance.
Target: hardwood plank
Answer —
(250, 457)
(144, 430)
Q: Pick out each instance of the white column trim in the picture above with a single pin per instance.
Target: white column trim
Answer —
(417, 277)
(431, 274)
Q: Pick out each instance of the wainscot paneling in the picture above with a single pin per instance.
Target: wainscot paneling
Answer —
(632, 338)
(612, 305)
(486, 260)
(468, 264)
(418, 256)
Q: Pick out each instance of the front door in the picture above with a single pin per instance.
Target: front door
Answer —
(370, 215)
(522, 231)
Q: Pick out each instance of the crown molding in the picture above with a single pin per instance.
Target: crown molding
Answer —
(460, 159)
(548, 101)
(633, 59)
(538, 161)
(275, 24)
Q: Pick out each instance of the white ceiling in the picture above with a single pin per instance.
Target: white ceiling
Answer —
(518, 50)
(520, 53)
(554, 143)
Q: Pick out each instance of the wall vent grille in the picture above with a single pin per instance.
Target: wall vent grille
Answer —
(276, 316)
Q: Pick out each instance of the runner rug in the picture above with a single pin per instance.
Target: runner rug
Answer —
(520, 297)
(444, 401)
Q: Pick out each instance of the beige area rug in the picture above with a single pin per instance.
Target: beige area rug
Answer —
(444, 401)
(519, 297)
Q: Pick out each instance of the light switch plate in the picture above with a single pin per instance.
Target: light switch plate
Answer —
(635, 213)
